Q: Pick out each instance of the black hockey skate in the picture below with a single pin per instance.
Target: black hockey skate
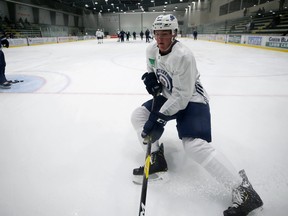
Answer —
(158, 168)
(5, 85)
(244, 199)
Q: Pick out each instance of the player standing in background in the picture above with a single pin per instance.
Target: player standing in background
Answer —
(99, 36)
(118, 35)
(141, 35)
(172, 72)
(134, 35)
(147, 35)
(3, 81)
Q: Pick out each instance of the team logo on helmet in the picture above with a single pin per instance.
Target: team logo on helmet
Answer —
(159, 18)
(172, 17)
(166, 22)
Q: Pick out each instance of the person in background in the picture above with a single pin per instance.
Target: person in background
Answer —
(147, 35)
(244, 12)
(99, 36)
(122, 35)
(195, 33)
(4, 83)
(127, 35)
(134, 35)
(141, 35)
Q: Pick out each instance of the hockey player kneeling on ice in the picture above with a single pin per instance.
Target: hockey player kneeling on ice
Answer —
(173, 76)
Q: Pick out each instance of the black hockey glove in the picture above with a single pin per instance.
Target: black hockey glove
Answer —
(152, 85)
(154, 127)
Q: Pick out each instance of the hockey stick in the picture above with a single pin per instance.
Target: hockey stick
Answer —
(147, 140)
(15, 81)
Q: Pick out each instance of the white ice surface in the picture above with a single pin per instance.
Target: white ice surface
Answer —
(67, 147)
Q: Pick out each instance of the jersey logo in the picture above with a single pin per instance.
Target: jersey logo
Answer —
(165, 79)
(161, 121)
(152, 61)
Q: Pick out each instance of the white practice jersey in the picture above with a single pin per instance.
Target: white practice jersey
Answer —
(178, 75)
(99, 33)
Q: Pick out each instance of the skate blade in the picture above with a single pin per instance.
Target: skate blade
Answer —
(256, 212)
(5, 87)
(160, 177)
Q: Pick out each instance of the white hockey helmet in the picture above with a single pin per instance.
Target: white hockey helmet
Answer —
(166, 22)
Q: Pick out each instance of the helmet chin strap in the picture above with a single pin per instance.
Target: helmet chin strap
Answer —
(174, 35)
(173, 39)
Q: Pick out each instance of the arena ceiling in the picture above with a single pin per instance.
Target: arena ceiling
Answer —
(112, 6)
